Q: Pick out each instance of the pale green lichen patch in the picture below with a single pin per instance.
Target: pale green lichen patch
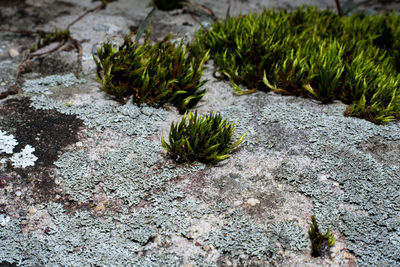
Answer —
(131, 171)
(354, 177)
(80, 239)
(44, 84)
(242, 237)
(128, 119)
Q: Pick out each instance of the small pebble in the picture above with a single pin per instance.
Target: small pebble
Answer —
(18, 193)
(32, 210)
(13, 52)
(208, 247)
(253, 201)
(100, 207)
(347, 256)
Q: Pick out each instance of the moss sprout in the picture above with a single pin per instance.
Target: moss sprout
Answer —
(153, 74)
(206, 139)
(312, 53)
(51, 37)
(319, 242)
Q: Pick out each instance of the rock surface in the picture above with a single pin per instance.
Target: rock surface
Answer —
(102, 191)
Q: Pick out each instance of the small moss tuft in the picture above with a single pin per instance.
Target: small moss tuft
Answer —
(153, 74)
(206, 139)
(319, 242)
(51, 37)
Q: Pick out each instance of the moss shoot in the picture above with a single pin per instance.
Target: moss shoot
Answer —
(51, 37)
(315, 54)
(206, 139)
(319, 242)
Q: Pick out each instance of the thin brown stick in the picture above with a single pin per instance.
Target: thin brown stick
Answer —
(12, 90)
(49, 51)
(206, 10)
(339, 8)
(101, 6)
(228, 10)
(21, 68)
(78, 47)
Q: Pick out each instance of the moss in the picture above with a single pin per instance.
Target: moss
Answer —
(152, 74)
(206, 139)
(315, 54)
(318, 240)
(51, 37)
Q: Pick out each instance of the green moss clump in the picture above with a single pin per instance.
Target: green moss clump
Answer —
(319, 242)
(315, 54)
(206, 139)
(152, 74)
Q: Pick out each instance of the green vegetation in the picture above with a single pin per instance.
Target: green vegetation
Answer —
(153, 74)
(206, 139)
(319, 242)
(315, 54)
(51, 37)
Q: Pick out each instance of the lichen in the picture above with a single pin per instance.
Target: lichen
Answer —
(81, 239)
(128, 119)
(24, 158)
(21, 159)
(358, 196)
(362, 181)
(242, 237)
(7, 143)
(42, 85)
(120, 172)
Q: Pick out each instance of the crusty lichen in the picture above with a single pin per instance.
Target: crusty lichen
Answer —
(354, 177)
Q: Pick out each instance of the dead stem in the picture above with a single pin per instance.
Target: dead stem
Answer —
(101, 6)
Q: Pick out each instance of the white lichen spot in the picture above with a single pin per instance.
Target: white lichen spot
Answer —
(4, 220)
(7, 143)
(24, 158)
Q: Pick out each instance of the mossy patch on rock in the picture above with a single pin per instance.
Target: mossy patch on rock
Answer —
(315, 54)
